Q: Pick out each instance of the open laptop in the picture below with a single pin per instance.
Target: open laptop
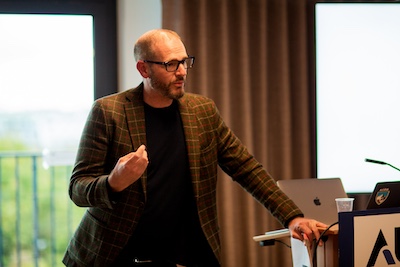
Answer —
(315, 197)
(385, 195)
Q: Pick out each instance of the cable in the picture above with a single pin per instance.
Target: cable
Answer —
(271, 242)
(314, 256)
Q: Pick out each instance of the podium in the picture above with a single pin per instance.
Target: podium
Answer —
(362, 238)
(310, 255)
(327, 254)
(369, 238)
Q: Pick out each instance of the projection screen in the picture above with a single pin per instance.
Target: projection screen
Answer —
(358, 92)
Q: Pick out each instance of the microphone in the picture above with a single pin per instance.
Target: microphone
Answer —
(381, 162)
(375, 161)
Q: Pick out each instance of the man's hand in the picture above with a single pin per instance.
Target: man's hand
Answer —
(305, 229)
(128, 169)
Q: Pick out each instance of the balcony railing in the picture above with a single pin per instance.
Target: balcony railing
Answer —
(37, 218)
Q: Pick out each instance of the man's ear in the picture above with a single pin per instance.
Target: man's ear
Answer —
(142, 68)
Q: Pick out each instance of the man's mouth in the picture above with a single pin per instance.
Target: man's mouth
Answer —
(179, 83)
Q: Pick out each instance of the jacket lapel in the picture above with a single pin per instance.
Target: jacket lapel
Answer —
(134, 111)
(192, 142)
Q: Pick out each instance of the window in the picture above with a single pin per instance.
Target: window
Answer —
(47, 79)
(56, 57)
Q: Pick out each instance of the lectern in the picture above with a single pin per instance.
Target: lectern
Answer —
(314, 255)
(369, 238)
(363, 238)
(309, 256)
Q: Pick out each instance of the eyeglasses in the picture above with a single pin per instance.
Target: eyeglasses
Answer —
(173, 65)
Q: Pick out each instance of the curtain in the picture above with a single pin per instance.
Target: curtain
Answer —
(255, 59)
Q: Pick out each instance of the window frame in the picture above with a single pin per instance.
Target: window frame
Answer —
(104, 26)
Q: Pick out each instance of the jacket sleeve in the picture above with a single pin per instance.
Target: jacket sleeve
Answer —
(88, 184)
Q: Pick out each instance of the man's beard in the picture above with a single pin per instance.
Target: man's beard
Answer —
(165, 89)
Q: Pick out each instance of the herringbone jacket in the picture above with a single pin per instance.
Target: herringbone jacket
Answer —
(116, 127)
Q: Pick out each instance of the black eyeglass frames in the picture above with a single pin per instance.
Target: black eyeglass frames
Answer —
(173, 65)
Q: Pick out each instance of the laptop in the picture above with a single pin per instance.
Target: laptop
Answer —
(315, 197)
(385, 195)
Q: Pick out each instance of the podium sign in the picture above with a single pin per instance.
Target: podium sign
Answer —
(369, 238)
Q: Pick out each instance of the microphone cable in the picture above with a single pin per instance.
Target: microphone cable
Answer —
(321, 237)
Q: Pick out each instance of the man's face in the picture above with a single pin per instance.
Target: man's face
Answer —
(169, 84)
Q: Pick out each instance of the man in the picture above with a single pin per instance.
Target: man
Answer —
(147, 171)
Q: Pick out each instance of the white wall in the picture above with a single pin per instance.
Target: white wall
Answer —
(134, 17)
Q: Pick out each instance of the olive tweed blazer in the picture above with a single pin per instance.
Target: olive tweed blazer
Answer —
(116, 127)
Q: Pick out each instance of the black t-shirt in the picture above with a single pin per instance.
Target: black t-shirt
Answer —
(169, 228)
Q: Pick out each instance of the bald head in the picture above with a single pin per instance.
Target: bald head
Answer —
(146, 46)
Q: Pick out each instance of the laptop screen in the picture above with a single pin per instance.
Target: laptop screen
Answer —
(315, 197)
(385, 195)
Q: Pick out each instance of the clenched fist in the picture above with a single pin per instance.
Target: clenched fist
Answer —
(128, 169)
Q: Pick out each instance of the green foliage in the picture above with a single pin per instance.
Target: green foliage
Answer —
(10, 143)
(34, 202)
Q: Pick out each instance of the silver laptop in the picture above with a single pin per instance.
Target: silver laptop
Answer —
(315, 197)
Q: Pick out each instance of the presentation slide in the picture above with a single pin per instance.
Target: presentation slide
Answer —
(358, 93)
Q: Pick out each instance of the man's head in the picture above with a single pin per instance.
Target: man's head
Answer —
(162, 61)
(146, 46)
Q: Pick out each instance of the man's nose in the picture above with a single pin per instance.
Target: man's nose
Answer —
(181, 70)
